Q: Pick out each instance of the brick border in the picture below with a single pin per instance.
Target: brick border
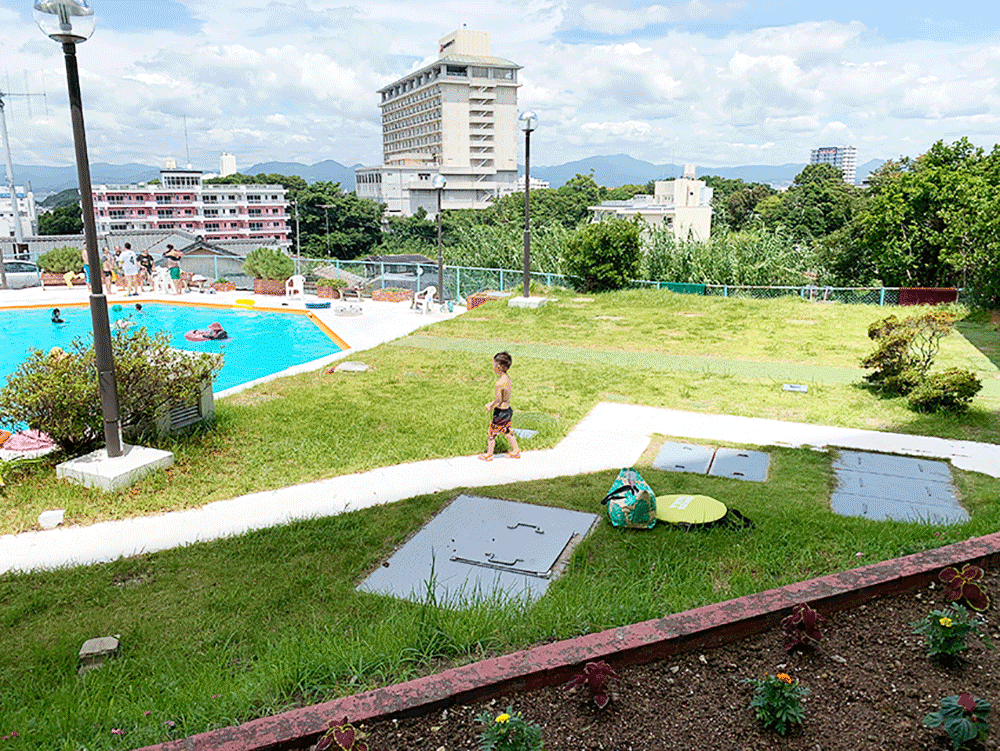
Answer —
(551, 664)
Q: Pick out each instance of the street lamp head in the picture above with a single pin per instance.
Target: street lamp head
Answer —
(527, 121)
(65, 20)
(439, 181)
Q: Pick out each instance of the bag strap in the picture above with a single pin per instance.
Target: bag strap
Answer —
(735, 520)
(618, 492)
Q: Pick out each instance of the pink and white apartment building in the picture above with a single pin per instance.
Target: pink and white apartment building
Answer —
(183, 201)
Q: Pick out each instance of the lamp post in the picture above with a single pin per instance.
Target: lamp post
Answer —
(326, 208)
(70, 22)
(527, 121)
(298, 236)
(439, 181)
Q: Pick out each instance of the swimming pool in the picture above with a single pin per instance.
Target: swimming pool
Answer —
(260, 343)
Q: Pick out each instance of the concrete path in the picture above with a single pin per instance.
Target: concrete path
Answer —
(610, 436)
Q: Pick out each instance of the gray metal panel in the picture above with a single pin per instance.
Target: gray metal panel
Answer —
(741, 464)
(684, 457)
(877, 509)
(480, 548)
(889, 464)
(891, 488)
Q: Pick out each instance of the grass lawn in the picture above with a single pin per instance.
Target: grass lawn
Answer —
(216, 633)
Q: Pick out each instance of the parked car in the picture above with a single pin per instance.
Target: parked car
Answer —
(21, 274)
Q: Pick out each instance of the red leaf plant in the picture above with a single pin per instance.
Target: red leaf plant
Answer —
(342, 737)
(597, 677)
(962, 586)
(802, 627)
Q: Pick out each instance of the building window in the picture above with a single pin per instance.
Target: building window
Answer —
(256, 225)
(457, 70)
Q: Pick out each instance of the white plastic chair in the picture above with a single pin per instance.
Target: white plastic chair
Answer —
(424, 298)
(162, 282)
(296, 285)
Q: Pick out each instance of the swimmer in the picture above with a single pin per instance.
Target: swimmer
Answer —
(122, 323)
(138, 306)
(55, 316)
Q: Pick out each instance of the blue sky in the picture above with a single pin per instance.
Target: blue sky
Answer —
(710, 83)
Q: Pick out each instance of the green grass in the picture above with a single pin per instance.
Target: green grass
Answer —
(419, 404)
(218, 633)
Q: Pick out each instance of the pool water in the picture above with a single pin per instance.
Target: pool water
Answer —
(259, 344)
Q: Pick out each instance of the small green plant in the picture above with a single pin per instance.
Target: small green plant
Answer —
(221, 280)
(61, 260)
(341, 737)
(268, 263)
(509, 732)
(962, 586)
(944, 632)
(951, 390)
(335, 283)
(801, 627)
(777, 702)
(597, 677)
(963, 717)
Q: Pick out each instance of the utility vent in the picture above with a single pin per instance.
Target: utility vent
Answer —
(480, 549)
(181, 417)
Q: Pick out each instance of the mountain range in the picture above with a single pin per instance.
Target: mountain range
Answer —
(610, 171)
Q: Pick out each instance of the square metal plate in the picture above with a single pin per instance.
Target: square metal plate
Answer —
(479, 548)
(741, 464)
(684, 457)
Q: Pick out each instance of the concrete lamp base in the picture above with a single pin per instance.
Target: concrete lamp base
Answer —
(98, 470)
(527, 302)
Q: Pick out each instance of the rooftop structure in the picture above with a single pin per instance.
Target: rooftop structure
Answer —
(844, 158)
(684, 205)
(26, 212)
(457, 117)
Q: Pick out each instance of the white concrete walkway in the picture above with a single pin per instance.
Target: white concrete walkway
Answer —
(611, 436)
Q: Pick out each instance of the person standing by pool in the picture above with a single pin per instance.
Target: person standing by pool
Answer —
(173, 257)
(86, 267)
(145, 269)
(108, 268)
(130, 268)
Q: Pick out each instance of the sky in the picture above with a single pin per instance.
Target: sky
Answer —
(709, 83)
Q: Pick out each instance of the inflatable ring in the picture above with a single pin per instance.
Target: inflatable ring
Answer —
(116, 308)
(244, 303)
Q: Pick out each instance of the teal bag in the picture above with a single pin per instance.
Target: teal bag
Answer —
(631, 502)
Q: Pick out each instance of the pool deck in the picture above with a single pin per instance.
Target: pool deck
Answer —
(380, 322)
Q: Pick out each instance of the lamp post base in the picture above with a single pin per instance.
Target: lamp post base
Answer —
(110, 473)
(527, 302)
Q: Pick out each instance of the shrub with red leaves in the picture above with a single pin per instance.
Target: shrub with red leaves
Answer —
(962, 586)
(802, 627)
(597, 677)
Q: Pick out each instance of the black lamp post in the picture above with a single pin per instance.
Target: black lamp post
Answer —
(527, 121)
(70, 22)
(439, 182)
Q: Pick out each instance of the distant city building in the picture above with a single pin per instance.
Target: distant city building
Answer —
(227, 165)
(844, 158)
(684, 205)
(456, 117)
(536, 184)
(26, 212)
(182, 201)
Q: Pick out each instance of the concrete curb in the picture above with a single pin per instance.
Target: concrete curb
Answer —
(552, 664)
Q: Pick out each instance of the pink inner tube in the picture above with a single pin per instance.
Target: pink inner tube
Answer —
(214, 331)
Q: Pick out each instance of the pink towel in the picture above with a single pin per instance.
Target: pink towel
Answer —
(28, 440)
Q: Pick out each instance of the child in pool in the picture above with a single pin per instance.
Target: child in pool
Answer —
(503, 413)
(55, 316)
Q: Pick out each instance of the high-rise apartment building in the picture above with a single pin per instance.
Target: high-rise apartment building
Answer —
(844, 158)
(182, 201)
(24, 213)
(456, 117)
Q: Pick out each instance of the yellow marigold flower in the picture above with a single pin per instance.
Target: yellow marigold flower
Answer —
(946, 622)
(503, 718)
(784, 677)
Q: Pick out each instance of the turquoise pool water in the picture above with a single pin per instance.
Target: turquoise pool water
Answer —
(259, 344)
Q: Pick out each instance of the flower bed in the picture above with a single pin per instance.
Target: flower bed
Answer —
(268, 286)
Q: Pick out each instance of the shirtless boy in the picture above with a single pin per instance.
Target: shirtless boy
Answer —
(503, 414)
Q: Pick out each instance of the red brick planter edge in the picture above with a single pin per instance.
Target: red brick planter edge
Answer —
(552, 664)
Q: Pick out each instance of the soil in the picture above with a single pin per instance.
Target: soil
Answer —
(870, 682)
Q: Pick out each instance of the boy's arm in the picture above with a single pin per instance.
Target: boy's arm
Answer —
(497, 398)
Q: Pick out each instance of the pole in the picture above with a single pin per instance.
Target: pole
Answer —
(98, 301)
(527, 211)
(18, 234)
(298, 235)
(440, 255)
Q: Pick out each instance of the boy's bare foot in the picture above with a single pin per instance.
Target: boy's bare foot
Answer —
(486, 457)
(516, 455)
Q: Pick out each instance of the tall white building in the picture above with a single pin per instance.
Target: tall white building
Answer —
(227, 165)
(844, 158)
(456, 117)
(25, 212)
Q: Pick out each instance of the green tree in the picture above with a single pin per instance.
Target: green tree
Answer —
(64, 220)
(817, 204)
(605, 255)
(734, 202)
(335, 224)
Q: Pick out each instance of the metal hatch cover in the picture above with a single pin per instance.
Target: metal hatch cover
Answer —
(477, 548)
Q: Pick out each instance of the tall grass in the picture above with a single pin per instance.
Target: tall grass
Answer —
(753, 257)
(502, 247)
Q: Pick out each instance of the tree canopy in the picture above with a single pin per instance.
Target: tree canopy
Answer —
(63, 220)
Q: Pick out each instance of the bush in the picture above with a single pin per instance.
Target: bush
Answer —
(61, 260)
(950, 390)
(335, 283)
(57, 392)
(905, 350)
(268, 263)
(605, 255)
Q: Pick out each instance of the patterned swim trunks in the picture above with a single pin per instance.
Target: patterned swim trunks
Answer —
(501, 423)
